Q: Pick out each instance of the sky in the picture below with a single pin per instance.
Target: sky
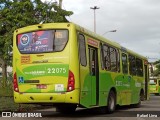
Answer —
(137, 22)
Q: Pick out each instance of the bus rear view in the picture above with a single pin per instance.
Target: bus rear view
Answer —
(155, 86)
(42, 68)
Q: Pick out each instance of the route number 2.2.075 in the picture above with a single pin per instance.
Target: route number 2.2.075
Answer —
(57, 70)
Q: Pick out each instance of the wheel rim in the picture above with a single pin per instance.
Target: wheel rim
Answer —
(111, 103)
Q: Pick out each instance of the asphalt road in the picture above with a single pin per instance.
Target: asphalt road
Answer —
(149, 110)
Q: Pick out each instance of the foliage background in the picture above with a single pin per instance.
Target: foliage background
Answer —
(15, 14)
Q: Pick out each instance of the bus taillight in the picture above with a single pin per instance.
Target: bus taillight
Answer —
(71, 82)
(15, 83)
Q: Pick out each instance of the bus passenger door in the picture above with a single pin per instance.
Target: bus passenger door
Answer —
(94, 75)
(126, 82)
(88, 74)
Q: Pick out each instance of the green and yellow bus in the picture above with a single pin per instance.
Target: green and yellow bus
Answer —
(154, 86)
(69, 66)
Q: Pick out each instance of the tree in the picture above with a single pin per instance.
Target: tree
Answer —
(19, 13)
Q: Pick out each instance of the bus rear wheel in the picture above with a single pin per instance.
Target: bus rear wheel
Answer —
(111, 103)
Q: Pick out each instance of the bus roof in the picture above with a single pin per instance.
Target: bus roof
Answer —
(103, 39)
(85, 31)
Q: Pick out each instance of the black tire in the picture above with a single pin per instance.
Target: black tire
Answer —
(157, 94)
(111, 103)
(142, 96)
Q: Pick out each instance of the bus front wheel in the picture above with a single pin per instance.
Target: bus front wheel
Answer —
(111, 103)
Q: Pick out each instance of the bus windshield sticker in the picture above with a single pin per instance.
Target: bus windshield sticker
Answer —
(58, 34)
(25, 59)
(152, 82)
(39, 41)
(42, 41)
(93, 42)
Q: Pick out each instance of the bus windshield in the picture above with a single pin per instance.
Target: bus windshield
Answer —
(153, 82)
(42, 41)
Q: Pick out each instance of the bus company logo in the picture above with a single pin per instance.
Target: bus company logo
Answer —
(24, 39)
(20, 115)
(6, 114)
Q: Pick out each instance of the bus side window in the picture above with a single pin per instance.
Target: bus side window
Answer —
(132, 65)
(124, 63)
(82, 50)
(110, 58)
(107, 61)
(118, 61)
(102, 56)
(139, 66)
(113, 57)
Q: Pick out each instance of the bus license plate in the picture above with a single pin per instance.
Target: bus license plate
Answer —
(41, 86)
